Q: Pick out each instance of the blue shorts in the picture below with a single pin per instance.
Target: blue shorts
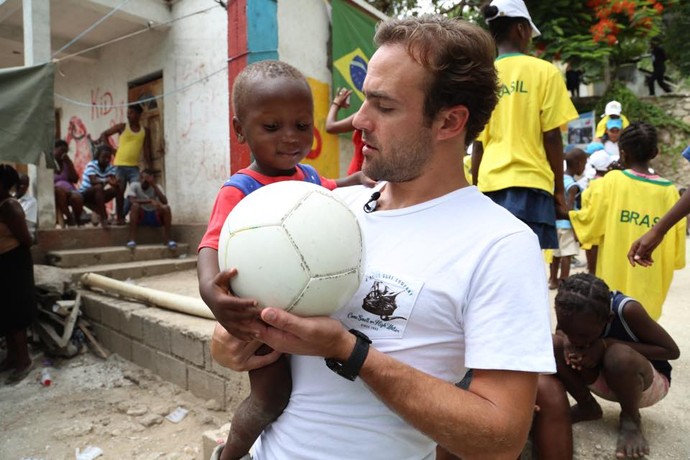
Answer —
(534, 207)
(149, 218)
(127, 174)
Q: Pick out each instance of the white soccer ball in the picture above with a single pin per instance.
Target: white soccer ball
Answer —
(296, 246)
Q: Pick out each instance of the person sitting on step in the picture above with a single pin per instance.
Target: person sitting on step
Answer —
(149, 207)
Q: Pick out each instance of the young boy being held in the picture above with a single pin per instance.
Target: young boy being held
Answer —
(607, 344)
(620, 209)
(576, 160)
(274, 115)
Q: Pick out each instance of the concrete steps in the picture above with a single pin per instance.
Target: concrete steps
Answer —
(96, 250)
(138, 269)
(71, 258)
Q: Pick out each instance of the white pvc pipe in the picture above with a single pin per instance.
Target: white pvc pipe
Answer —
(167, 300)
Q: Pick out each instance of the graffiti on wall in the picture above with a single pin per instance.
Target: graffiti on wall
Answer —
(83, 144)
(103, 104)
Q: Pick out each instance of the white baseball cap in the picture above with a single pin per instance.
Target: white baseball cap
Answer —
(513, 9)
(600, 160)
(613, 108)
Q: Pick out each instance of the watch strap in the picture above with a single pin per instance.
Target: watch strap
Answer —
(350, 368)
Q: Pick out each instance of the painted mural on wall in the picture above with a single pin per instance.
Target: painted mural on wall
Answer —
(81, 140)
(324, 152)
(353, 45)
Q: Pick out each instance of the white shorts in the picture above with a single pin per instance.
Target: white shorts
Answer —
(652, 395)
(567, 245)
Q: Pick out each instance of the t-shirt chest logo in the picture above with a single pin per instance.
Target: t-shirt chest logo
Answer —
(381, 301)
(383, 305)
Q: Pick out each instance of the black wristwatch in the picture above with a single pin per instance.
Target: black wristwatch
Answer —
(350, 368)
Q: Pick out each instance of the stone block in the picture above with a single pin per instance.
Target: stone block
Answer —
(103, 335)
(131, 323)
(122, 345)
(111, 315)
(90, 307)
(156, 334)
(205, 385)
(171, 369)
(187, 346)
(144, 356)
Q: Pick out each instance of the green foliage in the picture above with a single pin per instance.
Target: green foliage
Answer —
(678, 37)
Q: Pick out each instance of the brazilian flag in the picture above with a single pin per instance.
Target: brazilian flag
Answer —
(353, 45)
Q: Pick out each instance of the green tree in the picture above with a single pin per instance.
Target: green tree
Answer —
(677, 35)
(594, 35)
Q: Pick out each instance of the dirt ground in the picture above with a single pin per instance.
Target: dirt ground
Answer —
(121, 408)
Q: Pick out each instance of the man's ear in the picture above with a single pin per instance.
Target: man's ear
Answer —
(452, 122)
(237, 127)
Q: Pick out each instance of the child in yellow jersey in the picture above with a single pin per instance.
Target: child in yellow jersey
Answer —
(623, 207)
(517, 160)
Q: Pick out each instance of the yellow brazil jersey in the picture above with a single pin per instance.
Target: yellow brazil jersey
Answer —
(533, 99)
(621, 208)
(130, 146)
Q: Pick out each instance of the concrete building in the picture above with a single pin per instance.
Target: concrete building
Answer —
(178, 57)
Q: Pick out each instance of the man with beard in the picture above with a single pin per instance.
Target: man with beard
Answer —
(448, 254)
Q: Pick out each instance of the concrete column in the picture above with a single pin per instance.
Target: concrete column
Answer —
(37, 51)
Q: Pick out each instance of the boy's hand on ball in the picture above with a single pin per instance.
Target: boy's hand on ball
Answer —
(312, 336)
(238, 355)
(235, 314)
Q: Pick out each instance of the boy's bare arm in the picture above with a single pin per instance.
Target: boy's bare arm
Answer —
(357, 178)
(333, 125)
(570, 198)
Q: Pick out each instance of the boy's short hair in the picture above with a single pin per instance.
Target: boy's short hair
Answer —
(137, 108)
(460, 59)
(268, 69)
(61, 143)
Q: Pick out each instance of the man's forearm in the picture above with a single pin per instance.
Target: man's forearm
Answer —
(491, 421)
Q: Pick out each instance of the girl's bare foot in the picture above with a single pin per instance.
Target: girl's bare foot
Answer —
(586, 412)
(631, 442)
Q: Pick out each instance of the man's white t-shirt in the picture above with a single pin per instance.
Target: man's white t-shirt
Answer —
(452, 284)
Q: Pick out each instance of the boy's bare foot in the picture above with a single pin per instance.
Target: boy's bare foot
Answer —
(631, 442)
(586, 412)
(553, 285)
